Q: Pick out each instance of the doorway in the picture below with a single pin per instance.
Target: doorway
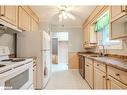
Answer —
(59, 51)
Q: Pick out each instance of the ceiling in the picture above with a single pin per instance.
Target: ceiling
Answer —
(47, 14)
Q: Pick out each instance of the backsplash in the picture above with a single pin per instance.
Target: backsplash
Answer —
(115, 51)
(8, 39)
(120, 51)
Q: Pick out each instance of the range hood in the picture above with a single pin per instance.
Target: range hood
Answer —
(7, 27)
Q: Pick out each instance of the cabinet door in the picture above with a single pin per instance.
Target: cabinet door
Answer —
(86, 36)
(89, 74)
(24, 19)
(99, 79)
(92, 34)
(114, 84)
(34, 26)
(9, 14)
(117, 12)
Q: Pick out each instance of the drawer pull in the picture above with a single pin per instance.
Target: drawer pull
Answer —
(87, 65)
(124, 10)
(107, 79)
(117, 74)
(2, 14)
(97, 64)
(103, 76)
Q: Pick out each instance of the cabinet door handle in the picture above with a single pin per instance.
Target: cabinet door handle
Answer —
(87, 65)
(117, 74)
(107, 79)
(2, 14)
(97, 64)
(124, 10)
(103, 76)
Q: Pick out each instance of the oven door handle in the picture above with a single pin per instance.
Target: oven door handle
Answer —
(5, 71)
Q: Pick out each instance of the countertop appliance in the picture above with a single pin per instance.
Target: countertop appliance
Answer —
(15, 73)
(36, 44)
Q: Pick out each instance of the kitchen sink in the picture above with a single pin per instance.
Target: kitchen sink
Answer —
(95, 56)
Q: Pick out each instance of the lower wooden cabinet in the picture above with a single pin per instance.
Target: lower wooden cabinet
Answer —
(99, 79)
(115, 84)
(89, 74)
(99, 75)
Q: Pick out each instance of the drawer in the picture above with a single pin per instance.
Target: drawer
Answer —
(117, 74)
(115, 84)
(89, 61)
(100, 66)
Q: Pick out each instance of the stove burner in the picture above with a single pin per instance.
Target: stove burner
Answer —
(15, 59)
(7, 60)
(1, 65)
(18, 60)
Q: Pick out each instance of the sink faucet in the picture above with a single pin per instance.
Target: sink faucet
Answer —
(103, 52)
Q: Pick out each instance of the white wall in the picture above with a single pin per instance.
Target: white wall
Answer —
(44, 27)
(75, 38)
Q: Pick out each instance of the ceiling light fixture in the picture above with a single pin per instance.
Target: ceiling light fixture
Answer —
(64, 14)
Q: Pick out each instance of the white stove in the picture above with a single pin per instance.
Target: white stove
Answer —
(15, 73)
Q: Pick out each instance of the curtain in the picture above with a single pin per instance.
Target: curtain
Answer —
(102, 22)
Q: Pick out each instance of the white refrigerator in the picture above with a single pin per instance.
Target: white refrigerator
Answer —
(36, 44)
(46, 57)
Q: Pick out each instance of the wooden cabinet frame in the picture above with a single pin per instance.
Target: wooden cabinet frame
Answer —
(89, 22)
(115, 84)
(89, 71)
(102, 81)
(122, 13)
(8, 18)
(12, 17)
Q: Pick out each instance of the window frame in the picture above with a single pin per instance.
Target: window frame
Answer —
(110, 44)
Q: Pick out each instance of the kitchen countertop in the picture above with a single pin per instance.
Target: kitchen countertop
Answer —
(114, 62)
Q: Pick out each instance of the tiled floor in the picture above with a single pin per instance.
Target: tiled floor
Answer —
(66, 79)
(59, 67)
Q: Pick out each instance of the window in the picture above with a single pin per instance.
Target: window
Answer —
(102, 29)
(62, 36)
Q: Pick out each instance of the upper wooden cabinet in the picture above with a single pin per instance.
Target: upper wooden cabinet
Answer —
(86, 36)
(21, 17)
(24, 20)
(118, 15)
(9, 14)
(117, 12)
(34, 25)
(89, 36)
(28, 20)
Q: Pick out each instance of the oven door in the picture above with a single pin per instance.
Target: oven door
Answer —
(20, 77)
